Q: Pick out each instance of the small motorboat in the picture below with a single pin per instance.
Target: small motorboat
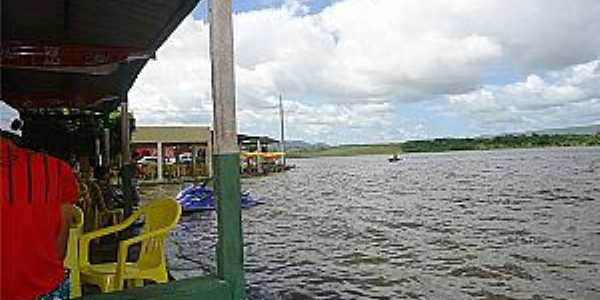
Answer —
(394, 158)
(201, 198)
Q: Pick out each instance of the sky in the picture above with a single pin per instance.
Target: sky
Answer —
(378, 71)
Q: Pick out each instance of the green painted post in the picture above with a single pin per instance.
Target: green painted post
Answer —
(230, 246)
(230, 255)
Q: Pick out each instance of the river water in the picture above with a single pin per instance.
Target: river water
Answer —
(510, 224)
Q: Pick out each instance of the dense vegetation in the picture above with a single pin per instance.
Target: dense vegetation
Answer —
(455, 144)
(345, 150)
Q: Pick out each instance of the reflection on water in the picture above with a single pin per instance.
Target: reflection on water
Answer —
(518, 224)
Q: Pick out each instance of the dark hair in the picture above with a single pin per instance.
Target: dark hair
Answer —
(16, 124)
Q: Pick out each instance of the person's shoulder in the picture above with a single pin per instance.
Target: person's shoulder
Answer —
(57, 161)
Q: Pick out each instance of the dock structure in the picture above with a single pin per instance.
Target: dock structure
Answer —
(62, 58)
(158, 150)
(260, 155)
(162, 142)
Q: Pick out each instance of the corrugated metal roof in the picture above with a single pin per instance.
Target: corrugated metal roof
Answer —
(120, 23)
(173, 134)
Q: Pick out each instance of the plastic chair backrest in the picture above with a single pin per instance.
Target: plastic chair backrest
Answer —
(159, 216)
(75, 231)
(71, 260)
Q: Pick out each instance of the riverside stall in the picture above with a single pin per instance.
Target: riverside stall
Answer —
(86, 55)
(173, 152)
(260, 155)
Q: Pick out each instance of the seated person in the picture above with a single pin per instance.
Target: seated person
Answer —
(37, 192)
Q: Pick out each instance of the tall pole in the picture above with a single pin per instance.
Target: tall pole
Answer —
(97, 152)
(126, 167)
(230, 254)
(209, 155)
(282, 130)
(125, 156)
(259, 168)
(106, 158)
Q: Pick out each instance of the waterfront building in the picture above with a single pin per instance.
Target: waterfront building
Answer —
(173, 151)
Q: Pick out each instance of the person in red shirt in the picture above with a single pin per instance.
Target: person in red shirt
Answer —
(37, 192)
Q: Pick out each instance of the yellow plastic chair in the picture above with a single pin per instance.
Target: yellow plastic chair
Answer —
(160, 216)
(71, 261)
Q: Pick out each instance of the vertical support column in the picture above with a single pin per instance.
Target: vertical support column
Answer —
(126, 167)
(282, 120)
(159, 161)
(194, 158)
(106, 157)
(259, 168)
(230, 256)
(209, 153)
(97, 153)
(126, 157)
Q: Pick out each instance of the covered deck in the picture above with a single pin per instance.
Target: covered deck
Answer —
(181, 152)
(61, 58)
(261, 155)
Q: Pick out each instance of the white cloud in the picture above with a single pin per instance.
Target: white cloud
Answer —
(559, 98)
(346, 70)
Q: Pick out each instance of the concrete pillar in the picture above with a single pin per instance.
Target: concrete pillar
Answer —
(159, 161)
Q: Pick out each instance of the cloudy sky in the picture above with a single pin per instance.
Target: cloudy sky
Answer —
(362, 71)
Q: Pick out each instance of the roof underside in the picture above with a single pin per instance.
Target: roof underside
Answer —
(111, 24)
(253, 139)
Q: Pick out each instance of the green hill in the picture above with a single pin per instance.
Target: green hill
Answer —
(592, 129)
(533, 140)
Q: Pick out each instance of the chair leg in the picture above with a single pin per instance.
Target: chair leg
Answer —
(137, 283)
(163, 277)
(75, 284)
(106, 288)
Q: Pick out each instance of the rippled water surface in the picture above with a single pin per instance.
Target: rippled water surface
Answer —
(516, 224)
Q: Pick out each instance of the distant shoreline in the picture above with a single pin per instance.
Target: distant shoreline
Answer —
(453, 144)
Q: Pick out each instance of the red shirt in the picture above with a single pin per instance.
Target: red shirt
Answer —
(33, 186)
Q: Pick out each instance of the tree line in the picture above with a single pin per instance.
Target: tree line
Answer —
(501, 142)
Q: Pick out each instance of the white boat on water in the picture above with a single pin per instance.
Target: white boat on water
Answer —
(395, 158)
